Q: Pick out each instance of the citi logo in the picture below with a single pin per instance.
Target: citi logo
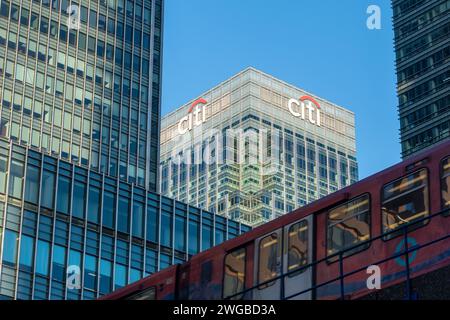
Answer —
(196, 116)
(306, 108)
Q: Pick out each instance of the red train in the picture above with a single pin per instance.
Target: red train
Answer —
(397, 220)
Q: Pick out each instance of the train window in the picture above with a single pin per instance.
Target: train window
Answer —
(148, 294)
(446, 184)
(404, 201)
(297, 246)
(269, 259)
(348, 225)
(234, 273)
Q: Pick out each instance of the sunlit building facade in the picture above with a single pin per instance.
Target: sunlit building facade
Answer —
(304, 149)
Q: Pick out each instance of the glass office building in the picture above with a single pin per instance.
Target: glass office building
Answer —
(58, 219)
(86, 91)
(303, 148)
(422, 44)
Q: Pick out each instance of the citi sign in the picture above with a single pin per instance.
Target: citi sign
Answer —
(306, 108)
(196, 116)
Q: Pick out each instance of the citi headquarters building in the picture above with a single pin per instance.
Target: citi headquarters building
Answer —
(79, 152)
(254, 148)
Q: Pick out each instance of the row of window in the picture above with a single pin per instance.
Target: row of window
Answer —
(426, 138)
(402, 201)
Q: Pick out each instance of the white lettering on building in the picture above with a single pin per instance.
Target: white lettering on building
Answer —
(306, 108)
(196, 117)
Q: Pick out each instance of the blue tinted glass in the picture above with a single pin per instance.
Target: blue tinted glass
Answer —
(32, 185)
(26, 252)
(90, 272)
(109, 205)
(59, 263)
(180, 233)
(123, 223)
(79, 199)
(105, 276)
(42, 257)
(135, 275)
(193, 237)
(207, 237)
(48, 189)
(152, 224)
(94, 204)
(138, 219)
(10, 242)
(120, 276)
(63, 200)
(166, 229)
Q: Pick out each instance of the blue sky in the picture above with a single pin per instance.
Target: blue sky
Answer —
(323, 47)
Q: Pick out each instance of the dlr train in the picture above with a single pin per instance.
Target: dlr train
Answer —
(384, 237)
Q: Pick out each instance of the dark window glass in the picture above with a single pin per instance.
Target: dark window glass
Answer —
(234, 273)
(138, 219)
(109, 209)
(180, 233)
(152, 224)
(48, 189)
(3, 175)
(59, 263)
(405, 200)
(79, 199)
(194, 235)
(166, 229)
(123, 220)
(64, 190)
(349, 225)
(93, 19)
(90, 272)
(94, 204)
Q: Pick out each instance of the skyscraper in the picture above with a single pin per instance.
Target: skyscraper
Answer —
(422, 44)
(79, 148)
(254, 148)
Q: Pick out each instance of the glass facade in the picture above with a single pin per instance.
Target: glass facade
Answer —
(422, 44)
(297, 161)
(58, 219)
(87, 93)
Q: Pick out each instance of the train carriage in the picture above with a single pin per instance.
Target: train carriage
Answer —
(395, 222)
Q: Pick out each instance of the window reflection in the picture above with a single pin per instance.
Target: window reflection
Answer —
(234, 273)
(269, 258)
(298, 245)
(405, 200)
(349, 225)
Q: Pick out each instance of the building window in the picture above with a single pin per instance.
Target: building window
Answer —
(64, 190)
(109, 209)
(105, 276)
(42, 258)
(94, 204)
(120, 278)
(79, 199)
(59, 263)
(3, 175)
(446, 183)
(32, 184)
(234, 273)
(48, 189)
(348, 225)
(166, 229)
(90, 272)
(16, 179)
(138, 219)
(152, 224)
(123, 220)
(405, 200)
(26, 253)
(194, 235)
(180, 233)
(10, 242)
(298, 246)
